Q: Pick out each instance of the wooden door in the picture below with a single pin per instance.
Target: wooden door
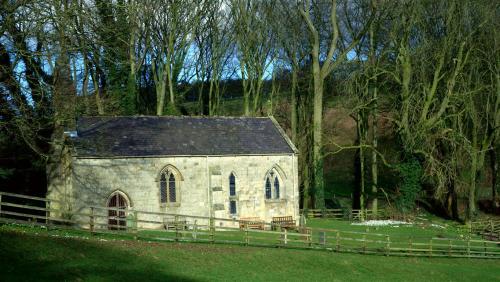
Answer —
(117, 219)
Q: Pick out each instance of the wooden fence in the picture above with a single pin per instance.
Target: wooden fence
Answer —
(187, 228)
(346, 214)
(489, 229)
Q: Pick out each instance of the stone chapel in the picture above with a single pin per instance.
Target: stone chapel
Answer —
(223, 167)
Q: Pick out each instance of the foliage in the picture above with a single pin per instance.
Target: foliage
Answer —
(410, 186)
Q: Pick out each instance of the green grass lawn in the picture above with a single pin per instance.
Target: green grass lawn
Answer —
(37, 254)
(437, 228)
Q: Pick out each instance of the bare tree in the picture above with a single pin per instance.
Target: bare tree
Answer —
(323, 63)
(171, 29)
(255, 48)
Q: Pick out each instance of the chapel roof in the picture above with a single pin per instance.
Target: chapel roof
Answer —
(137, 136)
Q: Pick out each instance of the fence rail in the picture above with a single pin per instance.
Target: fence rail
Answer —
(350, 214)
(488, 229)
(186, 228)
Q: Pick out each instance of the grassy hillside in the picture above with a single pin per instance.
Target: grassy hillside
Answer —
(39, 255)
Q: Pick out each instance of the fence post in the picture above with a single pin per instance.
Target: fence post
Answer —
(484, 245)
(286, 237)
(468, 247)
(338, 241)
(247, 240)
(91, 221)
(410, 245)
(364, 243)
(212, 230)
(322, 238)
(195, 229)
(387, 245)
(136, 225)
(449, 248)
(47, 213)
(176, 223)
(430, 247)
(310, 238)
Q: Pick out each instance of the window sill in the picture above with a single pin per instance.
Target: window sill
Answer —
(275, 201)
(170, 205)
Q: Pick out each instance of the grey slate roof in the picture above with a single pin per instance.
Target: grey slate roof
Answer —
(162, 136)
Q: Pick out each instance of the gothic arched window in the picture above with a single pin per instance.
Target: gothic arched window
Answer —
(232, 185)
(273, 186)
(268, 188)
(232, 194)
(169, 186)
(163, 188)
(276, 188)
(171, 189)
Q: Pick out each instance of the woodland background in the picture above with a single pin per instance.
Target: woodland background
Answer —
(391, 103)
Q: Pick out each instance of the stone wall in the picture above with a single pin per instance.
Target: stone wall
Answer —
(203, 185)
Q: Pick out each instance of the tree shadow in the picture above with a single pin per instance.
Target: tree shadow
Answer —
(41, 258)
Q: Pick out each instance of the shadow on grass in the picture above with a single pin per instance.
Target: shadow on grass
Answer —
(22, 259)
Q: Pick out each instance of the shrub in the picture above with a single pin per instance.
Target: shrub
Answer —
(410, 184)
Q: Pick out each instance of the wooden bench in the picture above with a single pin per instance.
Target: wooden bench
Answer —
(286, 222)
(179, 223)
(252, 223)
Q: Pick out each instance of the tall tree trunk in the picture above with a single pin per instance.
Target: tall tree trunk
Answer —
(374, 154)
(131, 99)
(85, 85)
(160, 97)
(97, 90)
(64, 95)
(471, 206)
(494, 172)
(246, 90)
(211, 98)
(171, 87)
(317, 138)
(362, 141)
(293, 106)
(452, 201)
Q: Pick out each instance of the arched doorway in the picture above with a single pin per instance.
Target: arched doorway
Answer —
(117, 216)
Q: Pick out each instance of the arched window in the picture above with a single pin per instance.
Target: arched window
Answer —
(268, 188)
(171, 189)
(273, 188)
(163, 188)
(169, 186)
(232, 194)
(276, 188)
(232, 185)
